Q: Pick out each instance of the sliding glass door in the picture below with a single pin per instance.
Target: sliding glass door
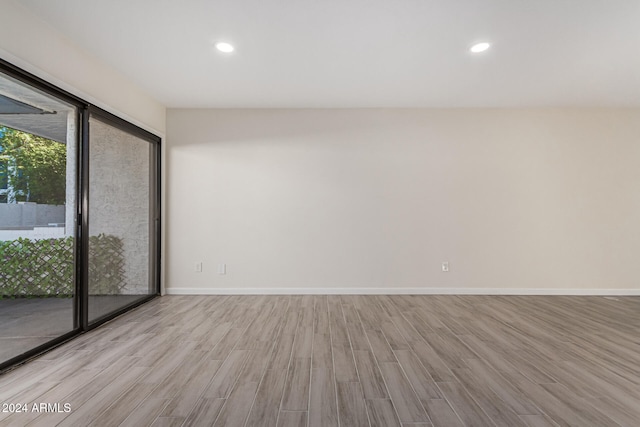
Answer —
(79, 215)
(122, 214)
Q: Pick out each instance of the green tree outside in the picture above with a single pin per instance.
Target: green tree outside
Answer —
(35, 167)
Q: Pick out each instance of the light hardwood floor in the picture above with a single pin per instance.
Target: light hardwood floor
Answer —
(410, 361)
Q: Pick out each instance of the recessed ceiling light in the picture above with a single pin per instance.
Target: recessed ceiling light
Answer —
(480, 47)
(224, 47)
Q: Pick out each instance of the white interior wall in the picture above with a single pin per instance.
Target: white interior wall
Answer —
(374, 200)
(517, 201)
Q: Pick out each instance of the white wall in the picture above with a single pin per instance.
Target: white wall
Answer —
(518, 201)
(30, 43)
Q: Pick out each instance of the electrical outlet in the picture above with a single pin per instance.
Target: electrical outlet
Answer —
(198, 267)
(222, 268)
(445, 266)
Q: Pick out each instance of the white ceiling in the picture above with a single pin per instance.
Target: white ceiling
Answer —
(364, 53)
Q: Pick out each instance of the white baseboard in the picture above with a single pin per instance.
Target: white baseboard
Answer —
(398, 291)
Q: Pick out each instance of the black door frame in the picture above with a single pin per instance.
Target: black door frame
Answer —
(84, 110)
(154, 220)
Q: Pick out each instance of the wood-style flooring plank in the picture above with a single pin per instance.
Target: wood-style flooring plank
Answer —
(382, 413)
(441, 413)
(404, 399)
(185, 399)
(88, 390)
(465, 406)
(145, 414)
(236, 408)
(489, 401)
(625, 415)
(168, 422)
(296, 390)
(226, 376)
(436, 367)
(345, 360)
(205, 413)
(224, 347)
(292, 419)
(352, 410)
(94, 407)
(322, 356)
(537, 421)
(355, 329)
(380, 347)
(394, 337)
(557, 410)
(419, 378)
(266, 406)
(124, 406)
(344, 364)
(282, 353)
(512, 397)
(179, 377)
(322, 399)
(372, 382)
(592, 415)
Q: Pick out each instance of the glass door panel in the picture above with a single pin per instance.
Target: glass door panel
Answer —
(121, 219)
(38, 211)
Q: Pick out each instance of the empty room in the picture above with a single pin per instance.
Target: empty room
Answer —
(410, 213)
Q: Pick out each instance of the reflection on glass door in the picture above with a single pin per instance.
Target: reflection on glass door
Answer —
(121, 218)
(38, 147)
